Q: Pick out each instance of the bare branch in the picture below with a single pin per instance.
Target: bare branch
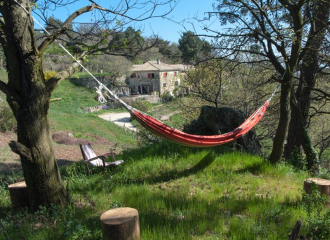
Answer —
(147, 14)
(64, 27)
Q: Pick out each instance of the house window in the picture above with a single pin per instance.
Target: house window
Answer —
(133, 75)
(165, 75)
(151, 75)
(164, 84)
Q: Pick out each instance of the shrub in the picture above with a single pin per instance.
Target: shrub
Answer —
(318, 221)
(297, 160)
(143, 106)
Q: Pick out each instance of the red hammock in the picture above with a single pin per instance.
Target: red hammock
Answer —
(182, 138)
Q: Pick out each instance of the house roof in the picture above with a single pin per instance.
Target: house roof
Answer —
(159, 66)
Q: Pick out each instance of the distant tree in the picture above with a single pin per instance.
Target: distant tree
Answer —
(160, 49)
(116, 66)
(207, 80)
(169, 51)
(28, 92)
(193, 48)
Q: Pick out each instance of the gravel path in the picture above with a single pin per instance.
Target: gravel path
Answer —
(122, 119)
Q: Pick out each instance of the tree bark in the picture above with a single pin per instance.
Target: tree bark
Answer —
(28, 97)
(278, 143)
(303, 136)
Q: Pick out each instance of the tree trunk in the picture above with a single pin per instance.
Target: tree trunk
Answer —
(303, 137)
(307, 80)
(278, 143)
(28, 96)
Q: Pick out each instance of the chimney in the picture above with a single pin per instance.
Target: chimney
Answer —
(158, 61)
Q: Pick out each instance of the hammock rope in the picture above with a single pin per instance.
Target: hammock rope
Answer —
(162, 130)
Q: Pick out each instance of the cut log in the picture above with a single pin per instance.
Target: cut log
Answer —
(18, 195)
(323, 185)
(120, 224)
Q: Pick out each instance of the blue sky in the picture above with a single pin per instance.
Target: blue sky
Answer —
(184, 12)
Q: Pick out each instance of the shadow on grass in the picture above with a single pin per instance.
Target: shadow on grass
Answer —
(167, 148)
(255, 168)
(174, 174)
(99, 180)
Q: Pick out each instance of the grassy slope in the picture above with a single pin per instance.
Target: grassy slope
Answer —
(69, 114)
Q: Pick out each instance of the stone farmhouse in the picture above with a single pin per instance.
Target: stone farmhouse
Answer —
(155, 78)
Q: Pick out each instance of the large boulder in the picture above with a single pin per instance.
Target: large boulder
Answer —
(214, 121)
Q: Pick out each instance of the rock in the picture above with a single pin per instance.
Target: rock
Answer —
(214, 121)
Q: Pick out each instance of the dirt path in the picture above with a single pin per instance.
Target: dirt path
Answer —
(66, 149)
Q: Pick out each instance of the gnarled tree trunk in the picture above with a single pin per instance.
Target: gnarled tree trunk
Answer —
(309, 68)
(28, 96)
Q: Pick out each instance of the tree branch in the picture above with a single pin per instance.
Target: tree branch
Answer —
(20, 149)
(52, 83)
(9, 92)
(139, 18)
(64, 27)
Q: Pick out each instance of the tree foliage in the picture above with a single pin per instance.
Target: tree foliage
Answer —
(193, 48)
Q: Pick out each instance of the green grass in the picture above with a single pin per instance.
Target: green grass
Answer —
(85, 74)
(180, 193)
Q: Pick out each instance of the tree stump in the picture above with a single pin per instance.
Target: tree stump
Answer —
(18, 195)
(120, 224)
(323, 185)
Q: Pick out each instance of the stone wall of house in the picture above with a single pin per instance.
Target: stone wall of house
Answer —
(160, 84)
(142, 79)
(169, 83)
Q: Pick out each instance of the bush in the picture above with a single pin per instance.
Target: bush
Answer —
(7, 119)
(297, 160)
(318, 221)
(143, 106)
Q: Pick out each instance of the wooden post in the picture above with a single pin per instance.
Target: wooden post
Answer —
(120, 224)
(18, 195)
(323, 185)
